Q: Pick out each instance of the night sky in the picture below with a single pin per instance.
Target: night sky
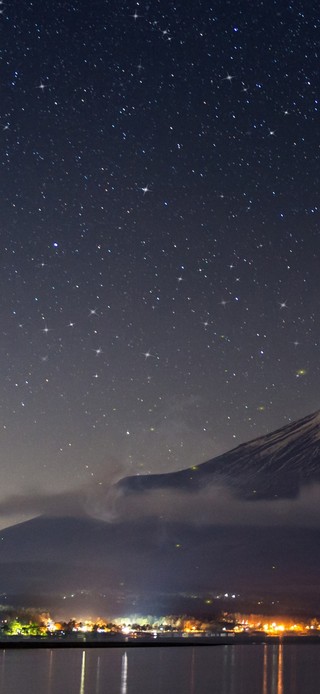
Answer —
(159, 233)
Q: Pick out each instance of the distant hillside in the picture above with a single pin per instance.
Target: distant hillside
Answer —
(122, 566)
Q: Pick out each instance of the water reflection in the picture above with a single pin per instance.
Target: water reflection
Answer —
(275, 654)
(2, 666)
(192, 673)
(225, 669)
(232, 671)
(50, 668)
(228, 670)
(280, 669)
(124, 673)
(265, 670)
(274, 669)
(98, 676)
(83, 673)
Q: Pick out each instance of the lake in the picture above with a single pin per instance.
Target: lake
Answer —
(287, 669)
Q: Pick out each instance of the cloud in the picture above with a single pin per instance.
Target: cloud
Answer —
(92, 500)
(39, 503)
(214, 505)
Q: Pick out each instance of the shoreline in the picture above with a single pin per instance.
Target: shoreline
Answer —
(157, 642)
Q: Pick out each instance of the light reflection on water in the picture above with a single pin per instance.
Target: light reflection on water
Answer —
(83, 673)
(50, 669)
(124, 674)
(280, 670)
(265, 670)
(97, 689)
(289, 669)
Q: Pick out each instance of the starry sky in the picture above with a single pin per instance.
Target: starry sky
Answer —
(159, 233)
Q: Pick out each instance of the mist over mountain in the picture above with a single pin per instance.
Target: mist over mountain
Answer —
(246, 522)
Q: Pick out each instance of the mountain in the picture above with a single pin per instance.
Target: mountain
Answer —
(245, 523)
(274, 466)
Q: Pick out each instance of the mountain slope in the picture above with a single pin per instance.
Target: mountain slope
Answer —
(273, 466)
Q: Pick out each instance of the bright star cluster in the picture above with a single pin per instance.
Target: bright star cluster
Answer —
(159, 232)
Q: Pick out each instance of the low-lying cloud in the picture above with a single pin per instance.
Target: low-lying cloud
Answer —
(215, 504)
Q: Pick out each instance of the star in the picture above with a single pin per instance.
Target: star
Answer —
(46, 330)
(283, 304)
(98, 351)
(42, 86)
(228, 78)
(145, 190)
(93, 312)
(148, 354)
